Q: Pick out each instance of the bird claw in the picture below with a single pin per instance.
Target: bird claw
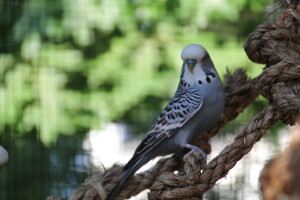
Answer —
(194, 148)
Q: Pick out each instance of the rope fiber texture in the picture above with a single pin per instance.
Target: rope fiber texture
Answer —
(274, 44)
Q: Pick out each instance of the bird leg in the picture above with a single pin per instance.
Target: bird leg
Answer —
(194, 148)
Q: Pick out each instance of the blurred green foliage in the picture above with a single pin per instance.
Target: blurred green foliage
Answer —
(67, 66)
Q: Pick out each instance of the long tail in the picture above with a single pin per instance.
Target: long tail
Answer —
(126, 175)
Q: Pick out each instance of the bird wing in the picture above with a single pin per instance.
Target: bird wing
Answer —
(179, 110)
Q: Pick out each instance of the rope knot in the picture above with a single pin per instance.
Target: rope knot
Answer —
(277, 46)
(280, 84)
(182, 185)
(271, 43)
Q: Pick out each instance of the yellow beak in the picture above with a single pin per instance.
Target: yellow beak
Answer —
(191, 64)
(191, 68)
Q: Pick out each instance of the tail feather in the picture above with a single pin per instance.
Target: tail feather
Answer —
(126, 175)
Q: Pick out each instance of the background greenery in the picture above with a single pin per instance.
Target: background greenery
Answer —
(68, 66)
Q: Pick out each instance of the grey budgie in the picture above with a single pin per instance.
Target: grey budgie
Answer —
(195, 107)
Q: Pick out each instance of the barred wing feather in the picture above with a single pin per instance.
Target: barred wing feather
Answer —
(180, 109)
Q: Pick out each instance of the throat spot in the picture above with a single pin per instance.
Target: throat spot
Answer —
(208, 80)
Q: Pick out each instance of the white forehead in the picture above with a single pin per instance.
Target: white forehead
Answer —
(193, 51)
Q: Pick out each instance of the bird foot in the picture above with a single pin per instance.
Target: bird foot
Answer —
(194, 148)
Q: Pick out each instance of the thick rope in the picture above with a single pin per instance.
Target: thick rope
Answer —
(277, 46)
(100, 182)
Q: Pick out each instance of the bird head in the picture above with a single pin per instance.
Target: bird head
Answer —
(196, 63)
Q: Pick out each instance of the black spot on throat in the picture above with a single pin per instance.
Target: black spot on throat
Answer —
(200, 82)
(208, 79)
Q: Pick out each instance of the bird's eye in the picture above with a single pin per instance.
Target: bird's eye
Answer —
(191, 61)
